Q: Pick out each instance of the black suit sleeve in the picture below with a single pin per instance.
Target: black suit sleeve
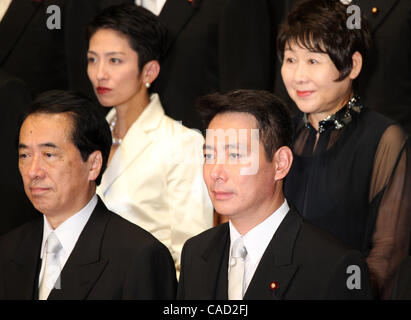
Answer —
(151, 275)
(16, 209)
(245, 46)
(183, 267)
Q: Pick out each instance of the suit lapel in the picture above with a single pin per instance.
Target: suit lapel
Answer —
(22, 271)
(276, 265)
(136, 142)
(175, 15)
(384, 8)
(138, 138)
(84, 266)
(213, 263)
(17, 17)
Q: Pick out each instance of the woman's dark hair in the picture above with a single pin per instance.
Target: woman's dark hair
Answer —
(273, 118)
(145, 33)
(90, 131)
(321, 26)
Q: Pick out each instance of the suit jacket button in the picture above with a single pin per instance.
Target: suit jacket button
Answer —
(374, 10)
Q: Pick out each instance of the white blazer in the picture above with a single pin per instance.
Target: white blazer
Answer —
(155, 179)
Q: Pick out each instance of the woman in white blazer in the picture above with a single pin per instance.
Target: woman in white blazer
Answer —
(154, 175)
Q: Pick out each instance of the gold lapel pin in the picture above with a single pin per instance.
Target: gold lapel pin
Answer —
(273, 285)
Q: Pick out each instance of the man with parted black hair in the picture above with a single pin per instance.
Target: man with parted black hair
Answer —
(266, 250)
(79, 249)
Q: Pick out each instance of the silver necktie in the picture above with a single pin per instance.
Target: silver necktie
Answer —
(236, 272)
(52, 268)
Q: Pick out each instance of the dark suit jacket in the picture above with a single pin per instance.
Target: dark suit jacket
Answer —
(16, 209)
(77, 15)
(402, 281)
(112, 259)
(29, 50)
(305, 262)
(385, 81)
(47, 59)
(214, 45)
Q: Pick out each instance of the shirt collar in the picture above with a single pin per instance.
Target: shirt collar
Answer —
(148, 120)
(257, 239)
(339, 119)
(69, 231)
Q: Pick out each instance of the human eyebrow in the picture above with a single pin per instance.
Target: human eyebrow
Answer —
(111, 53)
(207, 147)
(114, 53)
(49, 145)
(22, 146)
(238, 146)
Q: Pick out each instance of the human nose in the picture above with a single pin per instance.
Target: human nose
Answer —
(35, 168)
(218, 172)
(101, 71)
(300, 73)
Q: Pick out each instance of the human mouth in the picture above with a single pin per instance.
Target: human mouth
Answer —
(222, 195)
(38, 190)
(304, 94)
(103, 90)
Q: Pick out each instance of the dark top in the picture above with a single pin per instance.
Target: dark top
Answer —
(402, 282)
(355, 183)
(113, 259)
(16, 209)
(305, 262)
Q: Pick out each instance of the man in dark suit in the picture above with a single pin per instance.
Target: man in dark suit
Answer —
(384, 84)
(16, 209)
(247, 156)
(43, 42)
(78, 249)
(213, 45)
(29, 49)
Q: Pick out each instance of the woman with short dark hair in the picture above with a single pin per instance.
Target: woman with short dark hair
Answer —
(154, 173)
(352, 169)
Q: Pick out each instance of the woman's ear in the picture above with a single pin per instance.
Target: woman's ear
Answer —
(283, 158)
(150, 71)
(356, 65)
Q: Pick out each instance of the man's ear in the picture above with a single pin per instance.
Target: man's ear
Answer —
(283, 158)
(356, 65)
(150, 71)
(95, 161)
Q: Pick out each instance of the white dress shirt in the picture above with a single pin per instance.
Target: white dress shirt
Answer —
(67, 233)
(257, 240)
(4, 5)
(155, 6)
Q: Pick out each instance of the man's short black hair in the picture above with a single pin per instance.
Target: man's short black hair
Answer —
(90, 131)
(321, 26)
(273, 118)
(145, 33)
